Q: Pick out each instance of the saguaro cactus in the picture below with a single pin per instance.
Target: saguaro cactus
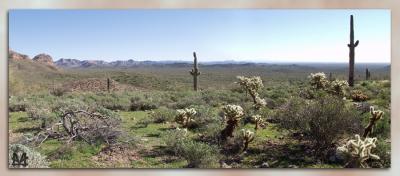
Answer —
(367, 74)
(195, 72)
(351, 46)
(108, 85)
(375, 116)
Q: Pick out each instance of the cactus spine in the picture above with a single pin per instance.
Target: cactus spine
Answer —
(351, 46)
(195, 72)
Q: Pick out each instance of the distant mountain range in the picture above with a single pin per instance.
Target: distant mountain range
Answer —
(46, 59)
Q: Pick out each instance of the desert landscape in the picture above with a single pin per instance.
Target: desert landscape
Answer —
(196, 113)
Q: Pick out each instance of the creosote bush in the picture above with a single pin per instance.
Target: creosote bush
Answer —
(321, 121)
(359, 151)
(162, 115)
(199, 154)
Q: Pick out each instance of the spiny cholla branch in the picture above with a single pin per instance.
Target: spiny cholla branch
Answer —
(318, 80)
(185, 117)
(259, 122)
(338, 87)
(232, 116)
(248, 136)
(375, 116)
(252, 85)
(359, 150)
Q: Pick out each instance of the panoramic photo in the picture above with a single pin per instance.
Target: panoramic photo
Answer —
(199, 88)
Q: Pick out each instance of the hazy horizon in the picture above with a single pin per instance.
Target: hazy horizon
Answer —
(284, 36)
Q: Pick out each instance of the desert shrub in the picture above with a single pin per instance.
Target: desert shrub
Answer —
(58, 91)
(211, 132)
(358, 96)
(204, 116)
(322, 120)
(216, 98)
(89, 123)
(35, 159)
(384, 152)
(174, 139)
(199, 154)
(16, 104)
(162, 114)
(113, 102)
(139, 104)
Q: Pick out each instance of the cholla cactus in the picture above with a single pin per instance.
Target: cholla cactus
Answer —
(259, 121)
(359, 151)
(260, 102)
(248, 136)
(17, 152)
(375, 116)
(252, 85)
(232, 115)
(338, 87)
(318, 80)
(185, 117)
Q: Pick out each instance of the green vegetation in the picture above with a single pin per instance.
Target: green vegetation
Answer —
(273, 116)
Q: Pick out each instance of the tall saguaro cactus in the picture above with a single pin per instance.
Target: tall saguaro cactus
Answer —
(108, 85)
(351, 46)
(367, 74)
(195, 72)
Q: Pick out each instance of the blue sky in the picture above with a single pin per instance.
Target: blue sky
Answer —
(215, 34)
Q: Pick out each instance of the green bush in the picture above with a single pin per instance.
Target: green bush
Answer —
(138, 104)
(174, 139)
(162, 114)
(322, 120)
(16, 104)
(200, 155)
